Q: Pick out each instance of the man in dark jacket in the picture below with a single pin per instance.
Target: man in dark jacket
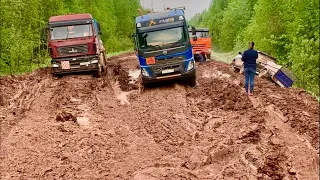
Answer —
(249, 57)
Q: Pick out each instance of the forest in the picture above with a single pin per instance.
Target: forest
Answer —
(22, 47)
(285, 29)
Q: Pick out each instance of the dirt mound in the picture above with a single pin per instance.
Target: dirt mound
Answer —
(300, 109)
(65, 116)
(121, 74)
(217, 93)
(274, 166)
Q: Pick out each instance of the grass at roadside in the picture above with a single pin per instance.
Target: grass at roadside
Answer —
(27, 68)
(224, 57)
(118, 53)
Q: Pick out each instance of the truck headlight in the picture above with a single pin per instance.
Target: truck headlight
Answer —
(144, 72)
(94, 61)
(55, 65)
(190, 65)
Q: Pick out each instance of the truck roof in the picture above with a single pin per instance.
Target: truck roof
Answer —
(201, 29)
(160, 15)
(69, 17)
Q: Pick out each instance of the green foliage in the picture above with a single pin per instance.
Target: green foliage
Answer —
(22, 22)
(285, 29)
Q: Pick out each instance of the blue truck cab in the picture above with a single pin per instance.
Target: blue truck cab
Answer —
(163, 47)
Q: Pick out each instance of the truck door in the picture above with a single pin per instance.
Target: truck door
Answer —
(97, 33)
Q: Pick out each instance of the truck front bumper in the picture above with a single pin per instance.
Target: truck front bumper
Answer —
(190, 73)
(177, 71)
(75, 64)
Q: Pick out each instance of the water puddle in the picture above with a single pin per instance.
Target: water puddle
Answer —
(122, 96)
(134, 75)
(215, 74)
(83, 121)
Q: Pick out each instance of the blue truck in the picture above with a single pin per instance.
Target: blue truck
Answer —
(163, 47)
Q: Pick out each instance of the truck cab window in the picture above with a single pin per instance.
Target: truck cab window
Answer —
(66, 32)
(200, 34)
(162, 37)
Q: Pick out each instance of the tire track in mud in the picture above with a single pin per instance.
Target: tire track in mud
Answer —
(112, 128)
(17, 94)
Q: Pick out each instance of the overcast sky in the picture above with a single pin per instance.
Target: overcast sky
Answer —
(192, 6)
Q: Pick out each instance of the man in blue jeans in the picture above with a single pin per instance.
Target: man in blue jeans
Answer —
(249, 58)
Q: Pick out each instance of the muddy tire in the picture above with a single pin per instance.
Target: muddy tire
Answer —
(192, 81)
(208, 57)
(97, 73)
(57, 76)
(146, 84)
(103, 62)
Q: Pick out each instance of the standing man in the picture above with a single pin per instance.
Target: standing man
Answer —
(249, 57)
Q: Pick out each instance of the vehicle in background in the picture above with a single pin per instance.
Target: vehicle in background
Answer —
(201, 42)
(75, 45)
(163, 47)
(267, 67)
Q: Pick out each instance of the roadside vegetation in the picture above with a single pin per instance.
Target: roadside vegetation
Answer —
(22, 48)
(285, 29)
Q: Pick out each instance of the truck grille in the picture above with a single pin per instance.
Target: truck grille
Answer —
(170, 60)
(199, 46)
(158, 69)
(67, 50)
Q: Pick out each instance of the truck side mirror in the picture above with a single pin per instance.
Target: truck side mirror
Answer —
(99, 28)
(193, 29)
(144, 35)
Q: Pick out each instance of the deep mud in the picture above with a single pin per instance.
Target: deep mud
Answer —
(80, 127)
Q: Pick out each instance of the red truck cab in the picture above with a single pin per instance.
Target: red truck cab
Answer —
(201, 42)
(75, 45)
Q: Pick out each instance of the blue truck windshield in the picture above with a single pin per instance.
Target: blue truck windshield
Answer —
(162, 38)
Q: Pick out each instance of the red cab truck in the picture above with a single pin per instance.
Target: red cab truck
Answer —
(75, 45)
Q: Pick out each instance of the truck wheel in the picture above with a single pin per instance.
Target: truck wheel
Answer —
(102, 61)
(145, 84)
(57, 76)
(192, 81)
(208, 57)
(97, 73)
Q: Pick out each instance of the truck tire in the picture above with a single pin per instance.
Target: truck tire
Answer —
(208, 57)
(57, 76)
(145, 84)
(192, 81)
(97, 73)
(102, 61)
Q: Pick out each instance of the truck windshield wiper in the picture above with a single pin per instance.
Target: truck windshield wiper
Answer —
(154, 47)
(67, 36)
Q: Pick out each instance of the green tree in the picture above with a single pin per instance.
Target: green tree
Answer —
(22, 22)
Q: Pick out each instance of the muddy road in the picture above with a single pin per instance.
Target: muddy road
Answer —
(80, 127)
